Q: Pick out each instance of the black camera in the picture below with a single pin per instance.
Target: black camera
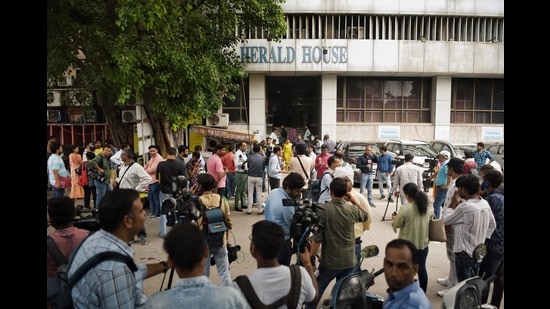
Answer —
(305, 219)
(86, 218)
(232, 252)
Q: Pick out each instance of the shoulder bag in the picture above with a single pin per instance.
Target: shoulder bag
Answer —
(437, 230)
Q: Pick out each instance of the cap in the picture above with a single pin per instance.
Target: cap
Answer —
(444, 153)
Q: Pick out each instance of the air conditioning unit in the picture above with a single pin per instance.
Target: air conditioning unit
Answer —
(53, 98)
(218, 120)
(54, 115)
(129, 116)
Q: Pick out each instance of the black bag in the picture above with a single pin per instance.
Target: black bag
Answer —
(316, 188)
(59, 287)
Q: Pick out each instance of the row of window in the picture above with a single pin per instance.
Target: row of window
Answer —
(402, 100)
(384, 27)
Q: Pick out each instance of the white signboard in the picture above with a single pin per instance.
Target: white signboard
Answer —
(385, 132)
(492, 134)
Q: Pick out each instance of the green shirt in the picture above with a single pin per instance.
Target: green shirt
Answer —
(105, 164)
(412, 225)
(337, 236)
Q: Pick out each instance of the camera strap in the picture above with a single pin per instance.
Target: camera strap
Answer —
(303, 169)
(122, 177)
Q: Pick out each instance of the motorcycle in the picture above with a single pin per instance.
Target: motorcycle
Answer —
(352, 290)
(467, 293)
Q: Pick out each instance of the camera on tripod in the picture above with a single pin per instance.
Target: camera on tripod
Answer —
(305, 219)
(86, 218)
(182, 207)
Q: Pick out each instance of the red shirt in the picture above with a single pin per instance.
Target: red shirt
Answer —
(229, 162)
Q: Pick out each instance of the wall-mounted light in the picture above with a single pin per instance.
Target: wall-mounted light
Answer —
(422, 39)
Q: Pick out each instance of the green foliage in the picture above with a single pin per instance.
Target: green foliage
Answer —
(176, 56)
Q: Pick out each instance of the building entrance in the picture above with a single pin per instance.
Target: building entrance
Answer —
(294, 102)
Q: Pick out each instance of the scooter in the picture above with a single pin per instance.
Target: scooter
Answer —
(467, 293)
(352, 290)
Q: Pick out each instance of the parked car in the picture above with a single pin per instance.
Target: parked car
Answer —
(497, 150)
(457, 149)
(424, 156)
(352, 151)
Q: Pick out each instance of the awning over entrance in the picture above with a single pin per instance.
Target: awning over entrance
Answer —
(223, 133)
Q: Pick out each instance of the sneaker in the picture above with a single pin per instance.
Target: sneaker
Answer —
(443, 281)
(382, 197)
(442, 292)
(249, 212)
(260, 212)
(390, 199)
(255, 204)
(142, 240)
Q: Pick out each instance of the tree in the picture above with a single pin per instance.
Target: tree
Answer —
(178, 57)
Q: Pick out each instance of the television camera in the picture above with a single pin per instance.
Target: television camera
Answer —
(86, 218)
(183, 206)
(304, 221)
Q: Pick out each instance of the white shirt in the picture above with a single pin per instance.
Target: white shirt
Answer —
(135, 178)
(274, 139)
(473, 222)
(240, 157)
(408, 172)
(274, 167)
(272, 283)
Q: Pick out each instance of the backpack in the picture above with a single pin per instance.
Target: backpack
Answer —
(59, 287)
(291, 299)
(316, 188)
(213, 225)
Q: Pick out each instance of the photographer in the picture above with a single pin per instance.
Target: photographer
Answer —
(276, 212)
(271, 280)
(338, 236)
(166, 171)
(218, 253)
(66, 236)
(405, 173)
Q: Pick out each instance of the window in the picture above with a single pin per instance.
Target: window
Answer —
(477, 101)
(237, 108)
(362, 99)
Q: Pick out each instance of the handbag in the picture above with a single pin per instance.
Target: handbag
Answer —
(437, 230)
(66, 182)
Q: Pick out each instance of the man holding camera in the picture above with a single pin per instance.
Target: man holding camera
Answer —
(337, 235)
(167, 170)
(277, 212)
(218, 250)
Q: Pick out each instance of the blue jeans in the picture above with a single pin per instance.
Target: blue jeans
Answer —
(154, 199)
(367, 180)
(163, 220)
(222, 264)
(326, 276)
(100, 188)
(439, 200)
(466, 266)
(230, 185)
(58, 192)
(384, 178)
(422, 272)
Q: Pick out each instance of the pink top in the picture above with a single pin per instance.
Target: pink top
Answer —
(151, 167)
(214, 166)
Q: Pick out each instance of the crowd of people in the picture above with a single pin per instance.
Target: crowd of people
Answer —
(471, 205)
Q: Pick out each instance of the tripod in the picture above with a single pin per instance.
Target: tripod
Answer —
(388, 204)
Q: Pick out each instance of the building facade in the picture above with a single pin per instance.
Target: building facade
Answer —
(375, 70)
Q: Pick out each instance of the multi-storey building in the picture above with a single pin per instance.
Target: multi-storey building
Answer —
(374, 70)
